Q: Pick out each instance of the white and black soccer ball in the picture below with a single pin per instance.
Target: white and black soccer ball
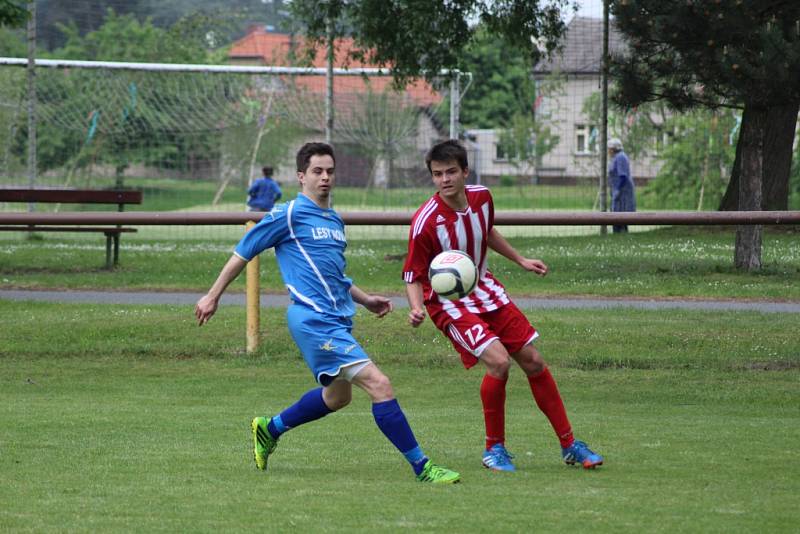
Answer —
(453, 274)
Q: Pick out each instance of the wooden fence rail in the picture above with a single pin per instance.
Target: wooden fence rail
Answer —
(563, 218)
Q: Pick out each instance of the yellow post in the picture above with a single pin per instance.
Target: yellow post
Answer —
(253, 305)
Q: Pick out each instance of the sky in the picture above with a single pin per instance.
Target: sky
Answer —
(590, 8)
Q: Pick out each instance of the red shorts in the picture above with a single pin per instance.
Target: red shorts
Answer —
(473, 332)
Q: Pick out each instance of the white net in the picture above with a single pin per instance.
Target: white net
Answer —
(193, 137)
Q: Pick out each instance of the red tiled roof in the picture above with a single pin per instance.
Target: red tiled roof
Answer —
(273, 49)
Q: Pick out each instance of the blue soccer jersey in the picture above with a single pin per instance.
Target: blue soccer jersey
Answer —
(309, 244)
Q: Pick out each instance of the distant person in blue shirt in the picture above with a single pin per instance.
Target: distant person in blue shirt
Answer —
(264, 192)
(623, 193)
(309, 241)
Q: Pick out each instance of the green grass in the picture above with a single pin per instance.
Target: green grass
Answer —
(673, 262)
(167, 194)
(170, 194)
(130, 418)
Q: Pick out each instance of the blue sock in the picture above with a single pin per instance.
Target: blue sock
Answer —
(394, 425)
(309, 408)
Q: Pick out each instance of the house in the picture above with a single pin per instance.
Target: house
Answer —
(576, 158)
(564, 82)
(380, 134)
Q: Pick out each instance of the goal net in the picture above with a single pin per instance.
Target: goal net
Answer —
(193, 137)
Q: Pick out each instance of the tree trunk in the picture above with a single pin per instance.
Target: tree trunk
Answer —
(747, 255)
(777, 163)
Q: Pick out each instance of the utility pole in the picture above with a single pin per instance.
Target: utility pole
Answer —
(604, 126)
(455, 104)
(32, 171)
(329, 85)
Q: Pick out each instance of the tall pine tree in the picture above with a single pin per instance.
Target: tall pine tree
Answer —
(722, 53)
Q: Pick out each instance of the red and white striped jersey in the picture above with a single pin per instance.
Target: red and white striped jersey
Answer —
(436, 227)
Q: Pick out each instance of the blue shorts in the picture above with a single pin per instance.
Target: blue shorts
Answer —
(326, 342)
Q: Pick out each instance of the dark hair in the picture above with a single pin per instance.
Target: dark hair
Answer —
(450, 150)
(266, 171)
(312, 149)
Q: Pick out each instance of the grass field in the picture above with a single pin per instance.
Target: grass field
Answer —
(168, 194)
(165, 194)
(130, 418)
(673, 262)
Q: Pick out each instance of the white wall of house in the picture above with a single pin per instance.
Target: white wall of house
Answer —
(576, 157)
(486, 160)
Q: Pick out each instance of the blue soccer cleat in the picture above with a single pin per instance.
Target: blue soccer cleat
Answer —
(497, 458)
(580, 453)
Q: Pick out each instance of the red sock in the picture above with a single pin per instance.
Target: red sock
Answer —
(548, 399)
(493, 396)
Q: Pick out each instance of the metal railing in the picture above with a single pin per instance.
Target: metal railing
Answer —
(565, 218)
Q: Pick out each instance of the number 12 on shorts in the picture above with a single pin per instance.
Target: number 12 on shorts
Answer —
(471, 338)
(475, 334)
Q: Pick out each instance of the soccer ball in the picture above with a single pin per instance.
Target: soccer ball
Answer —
(452, 274)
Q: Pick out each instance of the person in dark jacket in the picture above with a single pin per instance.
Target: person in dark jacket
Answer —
(623, 193)
(264, 192)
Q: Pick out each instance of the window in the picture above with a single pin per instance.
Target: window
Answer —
(500, 152)
(586, 139)
(663, 139)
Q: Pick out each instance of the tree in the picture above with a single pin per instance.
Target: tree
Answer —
(695, 148)
(503, 96)
(720, 53)
(125, 38)
(696, 161)
(89, 15)
(778, 142)
(418, 38)
(13, 13)
(529, 136)
(119, 131)
(501, 83)
(794, 180)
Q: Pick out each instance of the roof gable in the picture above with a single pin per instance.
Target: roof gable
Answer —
(276, 49)
(582, 51)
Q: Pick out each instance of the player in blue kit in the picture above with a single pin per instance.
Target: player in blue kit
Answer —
(309, 241)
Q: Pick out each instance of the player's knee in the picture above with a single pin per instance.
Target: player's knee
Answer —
(382, 386)
(535, 367)
(497, 365)
(338, 400)
(530, 360)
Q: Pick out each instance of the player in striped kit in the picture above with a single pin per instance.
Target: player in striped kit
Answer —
(484, 326)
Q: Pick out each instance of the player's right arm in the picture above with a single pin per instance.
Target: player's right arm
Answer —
(207, 305)
(414, 293)
(266, 234)
(415, 269)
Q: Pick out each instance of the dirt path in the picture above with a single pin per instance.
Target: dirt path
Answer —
(272, 301)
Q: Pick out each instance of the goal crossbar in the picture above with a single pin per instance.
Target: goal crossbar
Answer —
(211, 69)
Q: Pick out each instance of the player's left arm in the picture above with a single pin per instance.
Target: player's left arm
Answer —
(377, 304)
(499, 244)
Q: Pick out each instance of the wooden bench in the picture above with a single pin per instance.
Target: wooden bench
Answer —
(76, 196)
